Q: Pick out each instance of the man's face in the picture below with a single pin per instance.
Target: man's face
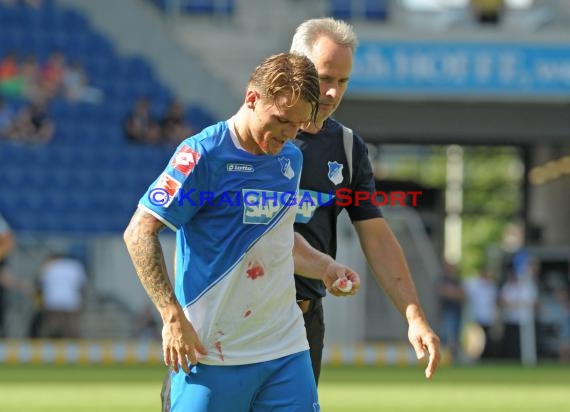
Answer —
(334, 65)
(273, 125)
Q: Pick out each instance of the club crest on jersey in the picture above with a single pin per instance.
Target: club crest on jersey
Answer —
(185, 159)
(286, 168)
(335, 172)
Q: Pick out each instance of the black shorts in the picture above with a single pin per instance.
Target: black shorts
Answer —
(315, 326)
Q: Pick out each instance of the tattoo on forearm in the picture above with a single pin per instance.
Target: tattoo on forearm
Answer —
(145, 250)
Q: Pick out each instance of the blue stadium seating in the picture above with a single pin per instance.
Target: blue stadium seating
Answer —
(89, 178)
(199, 6)
(359, 9)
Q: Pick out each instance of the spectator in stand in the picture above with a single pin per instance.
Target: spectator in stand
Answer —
(22, 79)
(482, 296)
(8, 67)
(76, 85)
(52, 75)
(33, 124)
(10, 78)
(62, 284)
(30, 74)
(451, 298)
(140, 126)
(174, 125)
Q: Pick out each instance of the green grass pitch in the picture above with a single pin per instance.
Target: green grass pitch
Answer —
(500, 388)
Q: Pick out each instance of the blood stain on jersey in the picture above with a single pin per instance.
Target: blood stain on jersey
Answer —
(185, 159)
(254, 270)
(218, 347)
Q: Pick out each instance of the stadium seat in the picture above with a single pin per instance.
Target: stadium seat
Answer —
(88, 168)
(359, 9)
(376, 9)
(199, 6)
(341, 9)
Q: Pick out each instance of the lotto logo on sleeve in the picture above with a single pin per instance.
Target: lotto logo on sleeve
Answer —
(185, 159)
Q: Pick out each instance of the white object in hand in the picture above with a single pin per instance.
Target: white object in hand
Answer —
(343, 284)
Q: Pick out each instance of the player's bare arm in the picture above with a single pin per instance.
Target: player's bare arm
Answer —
(180, 342)
(311, 263)
(388, 263)
(143, 244)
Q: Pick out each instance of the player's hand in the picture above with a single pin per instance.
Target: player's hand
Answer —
(180, 344)
(423, 338)
(337, 271)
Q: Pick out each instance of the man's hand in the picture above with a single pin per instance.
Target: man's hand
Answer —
(336, 271)
(311, 263)
(423, 338)
(180, 343)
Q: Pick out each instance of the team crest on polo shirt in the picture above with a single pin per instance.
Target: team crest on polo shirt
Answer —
(335, 172)
(286, 168)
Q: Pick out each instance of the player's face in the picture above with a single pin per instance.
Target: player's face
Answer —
(334, 65)
(273, 125)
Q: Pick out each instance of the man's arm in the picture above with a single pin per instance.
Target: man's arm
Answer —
(180, 341)
(388, 264)
(311, 263)
(6, 244)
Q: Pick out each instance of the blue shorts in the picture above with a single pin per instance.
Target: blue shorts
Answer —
(286, 384)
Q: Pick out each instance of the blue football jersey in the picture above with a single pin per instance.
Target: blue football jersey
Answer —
(233, 212)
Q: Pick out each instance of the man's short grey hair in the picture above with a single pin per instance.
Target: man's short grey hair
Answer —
(311, 30)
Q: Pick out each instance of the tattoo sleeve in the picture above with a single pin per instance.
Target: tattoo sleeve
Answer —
(143, 244)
